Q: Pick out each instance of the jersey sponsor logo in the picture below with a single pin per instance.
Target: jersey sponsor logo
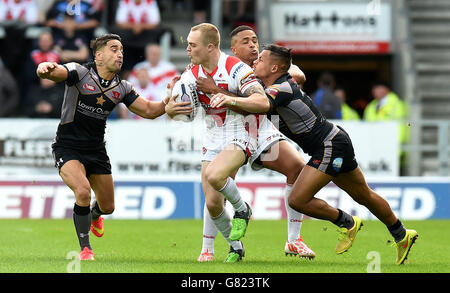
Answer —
(95, 112)
(233, 76)
(116, 95)
(89, 87)
(100, 101)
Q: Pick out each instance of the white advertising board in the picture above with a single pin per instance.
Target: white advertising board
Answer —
(325, 27)
(169, 148)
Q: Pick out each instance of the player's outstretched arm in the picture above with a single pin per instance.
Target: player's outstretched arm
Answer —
(255, 102)
(52, 71)
(147, 109)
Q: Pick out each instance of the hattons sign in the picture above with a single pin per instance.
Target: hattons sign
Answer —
(346, 27)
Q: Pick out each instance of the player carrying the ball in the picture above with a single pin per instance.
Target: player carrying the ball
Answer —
(226, 141)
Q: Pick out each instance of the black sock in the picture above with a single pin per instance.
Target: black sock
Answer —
(344, 220)
(397, 231)
(82, 219)
(96, 212)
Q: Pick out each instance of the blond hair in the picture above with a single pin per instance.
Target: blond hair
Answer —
(210, 33)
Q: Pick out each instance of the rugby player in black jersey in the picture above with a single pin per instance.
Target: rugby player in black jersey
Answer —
(92, 91)
(330, 148)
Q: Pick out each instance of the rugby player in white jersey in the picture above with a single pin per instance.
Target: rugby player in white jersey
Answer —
(273, 151)
(226, 142)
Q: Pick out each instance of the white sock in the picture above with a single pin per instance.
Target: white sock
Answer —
(209, 231)
(294, 218)
(223, 224)
(231, 193)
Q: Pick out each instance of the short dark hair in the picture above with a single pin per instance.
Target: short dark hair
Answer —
(381, 83)
(281, 54)
(239, 29)
(101, 41)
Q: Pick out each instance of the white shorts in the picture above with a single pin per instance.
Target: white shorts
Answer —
(214, 143)
(267, 136)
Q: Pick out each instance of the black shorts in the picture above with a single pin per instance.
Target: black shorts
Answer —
(336, 154)
(95, 161)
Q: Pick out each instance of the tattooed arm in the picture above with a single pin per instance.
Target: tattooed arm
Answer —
(255, 100)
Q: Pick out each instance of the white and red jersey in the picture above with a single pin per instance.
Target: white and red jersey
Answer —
(23, 10)
(232, 75)
(160, 75)
(144, 12)
(39, 56)
(224, 126)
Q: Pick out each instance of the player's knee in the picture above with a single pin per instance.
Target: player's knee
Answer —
(83, 194)
(297, 204)
(216, 179)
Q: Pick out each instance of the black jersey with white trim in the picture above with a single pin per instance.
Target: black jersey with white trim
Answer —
(87, 105)
(299, 119)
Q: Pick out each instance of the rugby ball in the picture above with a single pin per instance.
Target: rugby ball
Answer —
(186, 92)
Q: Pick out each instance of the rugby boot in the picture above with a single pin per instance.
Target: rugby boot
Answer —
(235, 255)
(404, 246)
(240, 223)
(206, 256)
(299, 247)
(87, 254)
(347, 236)
(97, 227)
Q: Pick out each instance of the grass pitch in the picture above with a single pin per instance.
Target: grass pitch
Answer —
(172, 246)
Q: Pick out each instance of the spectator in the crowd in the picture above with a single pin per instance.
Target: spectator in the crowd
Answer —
(16, 16)
(72, 47)
(348, 113)
(239, 13)
(9, 93)
(160, 72)
(44, 100)
(325, 99)
(86, 19)
(24, 11)
(387, 106)
(97, 5)
(138, 23)
(43, 7)
(142, 84)
(201, 9)
(43, 53)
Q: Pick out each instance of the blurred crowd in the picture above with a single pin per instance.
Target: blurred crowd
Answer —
(34, 31)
